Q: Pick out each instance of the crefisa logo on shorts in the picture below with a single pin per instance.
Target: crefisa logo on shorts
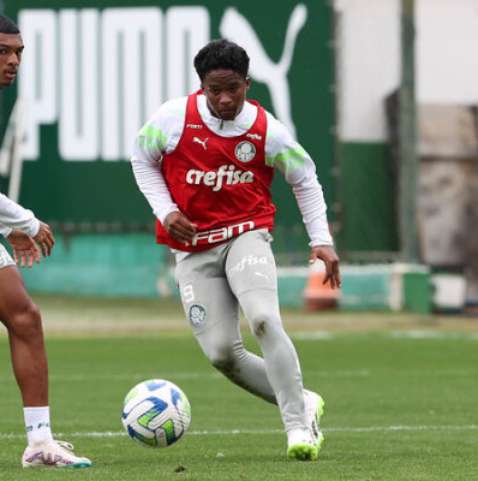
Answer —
(245, 151)
(197, 315)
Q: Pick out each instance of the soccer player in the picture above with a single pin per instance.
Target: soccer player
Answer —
(27, 236)
(205, 164)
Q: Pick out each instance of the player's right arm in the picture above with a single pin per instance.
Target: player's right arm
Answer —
(158, 136)
(180, 227)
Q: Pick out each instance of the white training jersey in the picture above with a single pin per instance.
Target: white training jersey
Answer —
(14, 216)
(161, 134)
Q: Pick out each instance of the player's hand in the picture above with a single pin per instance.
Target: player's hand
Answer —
(180, 227)
(25, 250)
(331, 260)
(45, 239)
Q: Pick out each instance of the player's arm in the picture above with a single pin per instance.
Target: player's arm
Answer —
(180, 227)
(4, 230)
(288, 156)
(331, 261)
(25, 249)
(16, 220)
(151, 183)
(14, 216)
(161, 135)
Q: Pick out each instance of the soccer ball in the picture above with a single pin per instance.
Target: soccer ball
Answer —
(156, 413)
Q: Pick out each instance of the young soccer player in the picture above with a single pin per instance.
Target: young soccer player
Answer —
(205, 165)
(27, 235)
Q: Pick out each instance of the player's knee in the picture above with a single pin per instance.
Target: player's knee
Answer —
(222, 358)
(263, 322)
(26, 320)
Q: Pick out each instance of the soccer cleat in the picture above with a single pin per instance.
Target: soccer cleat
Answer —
(53, 454)
(314, 410)
(301, 445)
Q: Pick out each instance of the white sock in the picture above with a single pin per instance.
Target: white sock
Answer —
(37, 423)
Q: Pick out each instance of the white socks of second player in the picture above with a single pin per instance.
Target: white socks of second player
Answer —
(37, 423)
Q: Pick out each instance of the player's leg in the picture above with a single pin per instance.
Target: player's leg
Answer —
(252, 276)
(213, 313)
(251, 272)
(23, 322)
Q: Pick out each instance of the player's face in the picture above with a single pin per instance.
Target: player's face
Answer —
(11, 48)
(225, 91)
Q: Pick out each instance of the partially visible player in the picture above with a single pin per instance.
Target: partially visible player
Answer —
(205, 164)
(29, 238)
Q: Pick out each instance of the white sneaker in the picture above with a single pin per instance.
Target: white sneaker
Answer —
(53, 454)
(301, 445)
(314, 409)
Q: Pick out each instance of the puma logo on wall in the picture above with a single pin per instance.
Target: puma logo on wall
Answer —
(236, 28)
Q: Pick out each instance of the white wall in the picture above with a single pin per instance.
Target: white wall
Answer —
(368, 65)
(447, 51)
(369, 60)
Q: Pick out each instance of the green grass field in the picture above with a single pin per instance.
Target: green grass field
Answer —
(401, 404)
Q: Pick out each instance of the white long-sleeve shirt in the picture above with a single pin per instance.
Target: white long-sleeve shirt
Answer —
(161, 135)
(14, 216)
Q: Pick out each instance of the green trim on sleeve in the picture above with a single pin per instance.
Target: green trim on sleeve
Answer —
(151, 138)
(289, 160)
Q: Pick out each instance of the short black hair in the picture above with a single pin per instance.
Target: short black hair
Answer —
(8, 26)
(221, 54)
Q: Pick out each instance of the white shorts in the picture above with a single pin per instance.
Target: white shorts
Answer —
(5, 258)
(211, 281)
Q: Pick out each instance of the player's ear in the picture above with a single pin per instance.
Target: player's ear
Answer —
(248, 82)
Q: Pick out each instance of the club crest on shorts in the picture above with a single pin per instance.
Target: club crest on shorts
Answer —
(197, 315)
(245, 151)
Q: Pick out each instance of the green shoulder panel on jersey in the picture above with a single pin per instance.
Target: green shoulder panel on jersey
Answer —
(288, 160)
(152, 138)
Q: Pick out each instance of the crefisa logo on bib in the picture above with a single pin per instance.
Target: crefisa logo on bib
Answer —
(245, 151)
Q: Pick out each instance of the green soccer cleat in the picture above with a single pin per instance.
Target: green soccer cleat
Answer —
(301, 445)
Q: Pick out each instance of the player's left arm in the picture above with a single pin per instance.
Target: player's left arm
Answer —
(331, 260)
(286, 154)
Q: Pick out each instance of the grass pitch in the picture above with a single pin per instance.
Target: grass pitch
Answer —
(400, 404)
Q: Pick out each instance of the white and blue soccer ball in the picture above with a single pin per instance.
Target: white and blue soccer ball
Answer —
(156, 413)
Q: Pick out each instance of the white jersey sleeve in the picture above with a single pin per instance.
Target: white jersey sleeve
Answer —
(14, 216)
(287, 155)
(159, 135)
(5, 231)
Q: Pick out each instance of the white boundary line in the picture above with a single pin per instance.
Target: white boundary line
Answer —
(183, 375)
(213, 376)
(235, 432)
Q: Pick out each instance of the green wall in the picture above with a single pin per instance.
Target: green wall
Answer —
(126, 265)
(99, 191)
(367, 191)
(100, 194)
